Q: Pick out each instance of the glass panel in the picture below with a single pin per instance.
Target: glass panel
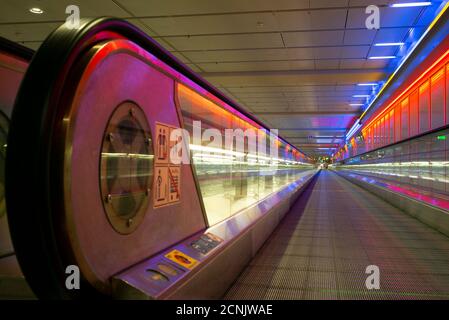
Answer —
(424, 105)
(233, 173)
(376, 135)
(414, 125)
(382, 132)
(392, 126)
(368, 139)
(404, 119)
(387, 128)
(397, 125)
(416, 166)
(437, 99)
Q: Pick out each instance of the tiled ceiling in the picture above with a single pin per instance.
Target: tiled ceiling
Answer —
(295, 64)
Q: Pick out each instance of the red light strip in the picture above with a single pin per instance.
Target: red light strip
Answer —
(425, 73)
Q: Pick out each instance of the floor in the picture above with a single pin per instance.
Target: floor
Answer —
(331, 235)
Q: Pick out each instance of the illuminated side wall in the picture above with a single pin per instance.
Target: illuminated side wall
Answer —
(420, 108)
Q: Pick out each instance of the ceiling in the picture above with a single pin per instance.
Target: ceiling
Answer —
(295, 64)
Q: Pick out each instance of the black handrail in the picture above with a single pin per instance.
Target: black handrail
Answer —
(16, 49)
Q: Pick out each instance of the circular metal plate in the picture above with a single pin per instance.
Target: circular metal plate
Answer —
(126, 167)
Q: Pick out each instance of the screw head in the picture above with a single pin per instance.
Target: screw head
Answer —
(110, 136)
(109, 198)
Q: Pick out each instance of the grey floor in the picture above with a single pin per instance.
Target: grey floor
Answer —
(333, 232)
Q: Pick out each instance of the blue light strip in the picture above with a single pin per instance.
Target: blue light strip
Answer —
(411, 4)
(357, 124)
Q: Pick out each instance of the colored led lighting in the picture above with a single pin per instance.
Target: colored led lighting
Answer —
(356, 104)
(411, 4)
(361, 96)
(367, 84)
(441, 138)
(440, 14)
(425, 73)
(388, 44)
(381, 57)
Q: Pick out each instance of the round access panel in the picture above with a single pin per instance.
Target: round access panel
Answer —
(126, 167)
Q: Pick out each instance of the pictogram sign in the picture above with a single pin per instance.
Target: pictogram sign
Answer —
(167, 176)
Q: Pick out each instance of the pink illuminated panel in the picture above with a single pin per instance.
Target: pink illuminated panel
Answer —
(404, 119)
(424, 107)
(414, 123)
(437, 99)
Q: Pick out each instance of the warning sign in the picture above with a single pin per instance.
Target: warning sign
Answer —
(162, 143)
(167, 176)
(160, 186)
(182, 259)
(206, 243)
(174, 181)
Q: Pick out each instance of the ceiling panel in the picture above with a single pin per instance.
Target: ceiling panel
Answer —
(314, 38)
(399, 17)
(365, 3)
(359, 37)
(375, 64)
(327, 64)
(311, 20)
(249, 55)
(294, 122)
(389, 17)
(383, 51)
(257, 66)
(36, 32)
(18, 10)
(391, 34)
(182, 7)
(192, 25)
(220, 42)
(354, 51)
(352, 64)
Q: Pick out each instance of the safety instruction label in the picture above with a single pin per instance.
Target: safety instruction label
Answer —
(182, 259)
(174, 177)
(206, 243)
(160, 186)
(162, 143)
(167, 176)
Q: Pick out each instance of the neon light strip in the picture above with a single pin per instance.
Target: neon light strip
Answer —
(432, 24)
(411, 4)
(406, 57)
(407, 90)
(388, 44)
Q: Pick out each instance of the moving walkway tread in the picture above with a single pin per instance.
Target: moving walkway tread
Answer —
(333, 232)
